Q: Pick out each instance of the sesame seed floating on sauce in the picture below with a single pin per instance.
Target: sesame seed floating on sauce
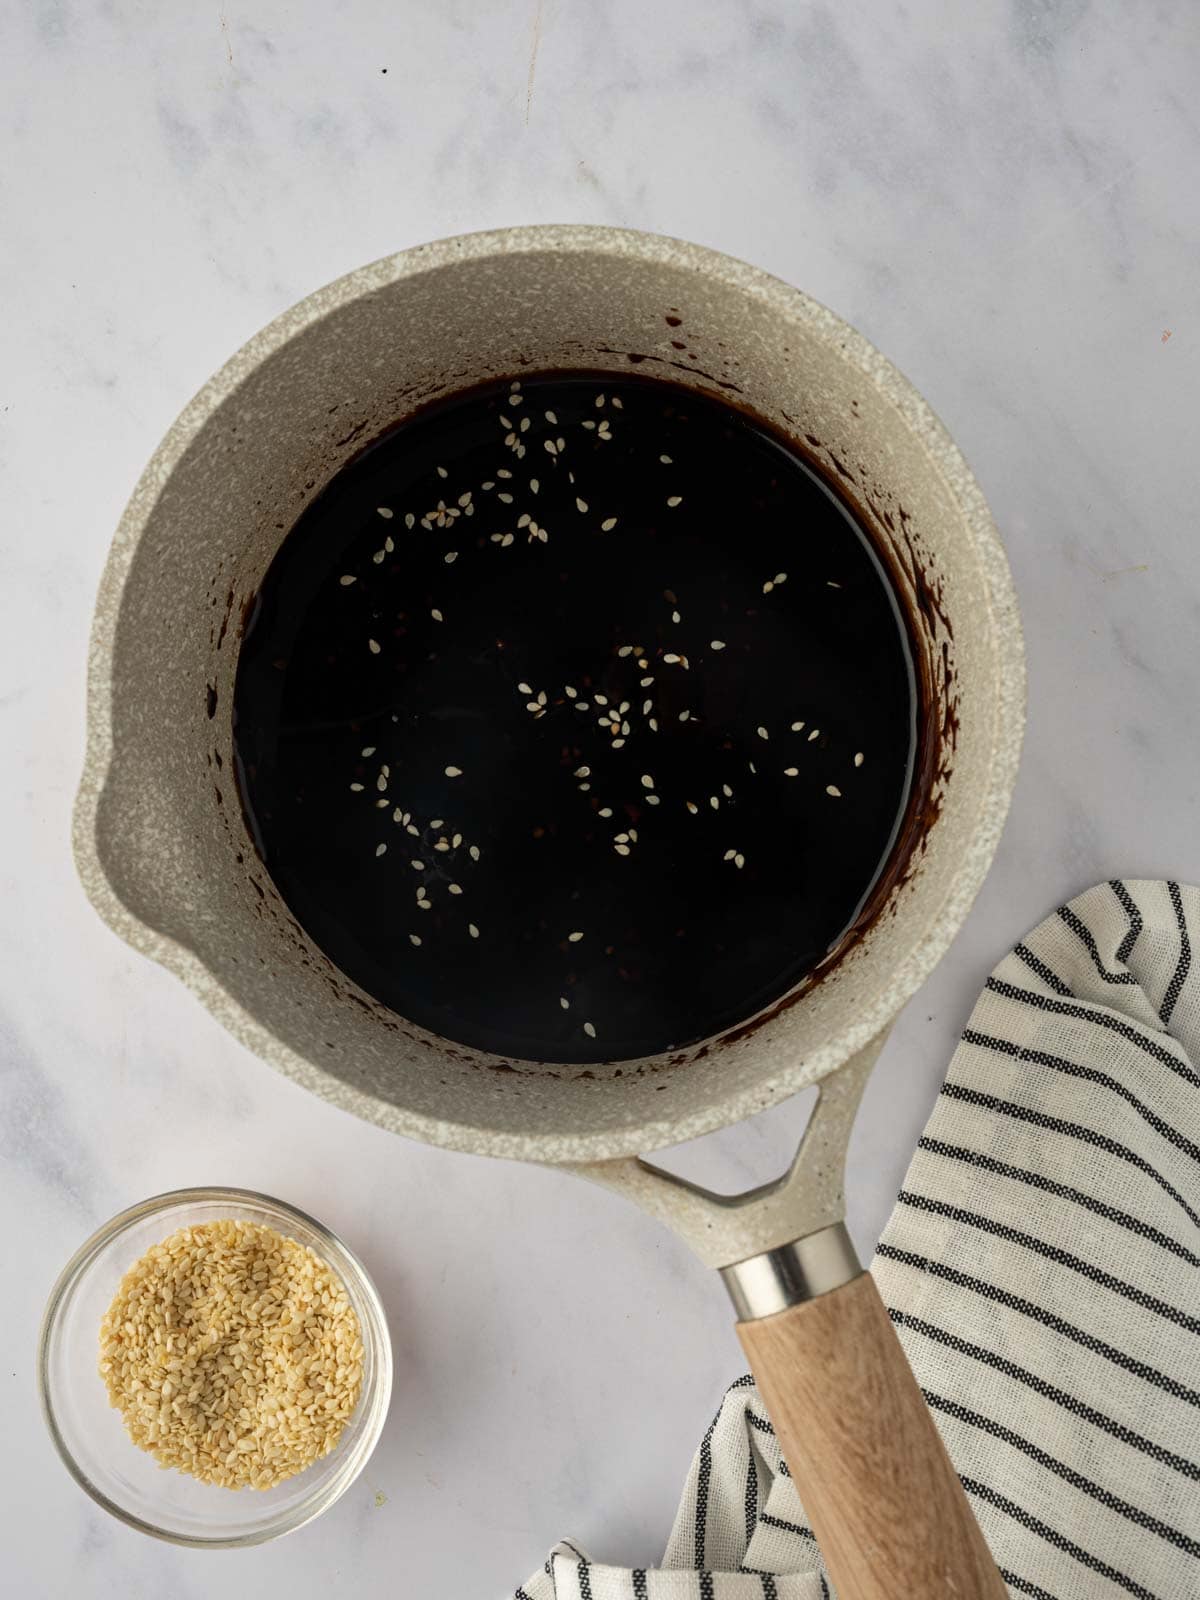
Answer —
(346, 579)
(590, 1030)
(385, 513)
(574, 938)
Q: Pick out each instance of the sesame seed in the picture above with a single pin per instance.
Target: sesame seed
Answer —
(729, 855)
(564, 1002)
(503, 472)
(474, 852)
(583, 772)
(671, 660)
(506, 541)
(465, 499)
(791, 772)
(832, 788)
(582, 705)
(504, 422)
(346, 579)
(524, 424)
(550, 417)
(455, 888)
(621, 849)
(780, 577)
(608, 524)
(599, 400)
(675, 617)
(625, 650)
(541, 699)
(381, 849)
(829, 584)
(414, 938)
(589, 1030)
(437, 615)
(409, 519)
(858, 758)
(506, 498)
(574, 938)
(674, 499)
(601, 699)
(714, 802)
(373, 646)
(418, 866)
(442, 844)
(385, 513)
(683, 715)
(488, 485)
(378, 556)
(815, 734)
(525, 688)
(768, 586)
(618, 744)
(451, 556)
(550, 447)
(651, 799)
(647, 707)
(454, 772)
(472, 930)
(605, 811)
(647, 781)
(739, 861)
(523, 520)
(534, 485)
(356, 787)
(763, 734)
(666, 460)
(442, 473)
(796, 727)
(411, 827)
(753, 768)
(617, 403)
(584, 788)
(580, 505)
(716, 644)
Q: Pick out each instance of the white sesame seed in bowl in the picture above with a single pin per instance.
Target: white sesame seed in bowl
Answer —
(329, 1382)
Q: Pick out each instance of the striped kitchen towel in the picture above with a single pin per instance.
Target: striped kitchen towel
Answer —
(1041, 1268)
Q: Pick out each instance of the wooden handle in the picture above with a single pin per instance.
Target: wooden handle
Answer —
(889, 1513)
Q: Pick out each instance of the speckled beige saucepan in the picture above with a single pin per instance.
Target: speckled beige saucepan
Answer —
(166, 859)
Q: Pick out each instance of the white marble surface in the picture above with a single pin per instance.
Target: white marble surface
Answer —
(1002, 195)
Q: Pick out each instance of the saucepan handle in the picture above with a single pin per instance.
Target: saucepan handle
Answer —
(888, 1511)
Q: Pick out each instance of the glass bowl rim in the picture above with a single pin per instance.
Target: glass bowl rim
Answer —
(375, 1401)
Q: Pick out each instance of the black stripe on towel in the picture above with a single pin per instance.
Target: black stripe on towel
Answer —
(785, 1526)
(1058, 1540)
(989, 1291)
(1095, 1491)
(639, 1583)
(1185, 957)
(1084, 934)
(1072, 1130)
(751, 1494)
(703, 1481)
(1023, 1586)
(770, 1592)
(1062, 1191)
(1051, 1252)
(1025, 954)
(1099, 1019)
(1125, 948)
(706, 1585)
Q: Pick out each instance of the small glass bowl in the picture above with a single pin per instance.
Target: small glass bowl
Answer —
(90, 1434)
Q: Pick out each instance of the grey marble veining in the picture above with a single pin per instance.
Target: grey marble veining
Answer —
(1002, 196)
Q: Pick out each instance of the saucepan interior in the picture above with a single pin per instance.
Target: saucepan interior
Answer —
(160, 838)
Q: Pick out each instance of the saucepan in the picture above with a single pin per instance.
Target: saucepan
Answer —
(166, 857)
